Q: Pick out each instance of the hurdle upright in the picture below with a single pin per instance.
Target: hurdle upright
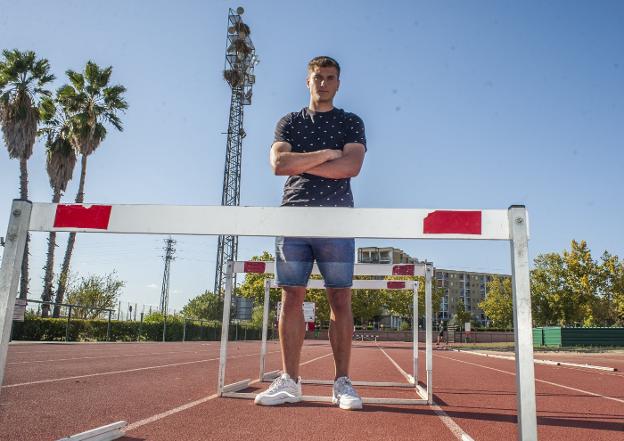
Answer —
(372, 223)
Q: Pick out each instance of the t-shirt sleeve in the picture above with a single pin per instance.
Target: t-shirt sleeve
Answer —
(355, 130)
(283, 130)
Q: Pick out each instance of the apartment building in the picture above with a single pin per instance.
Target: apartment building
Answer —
(471, 287)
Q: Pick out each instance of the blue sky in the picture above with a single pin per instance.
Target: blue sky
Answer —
(466, 105)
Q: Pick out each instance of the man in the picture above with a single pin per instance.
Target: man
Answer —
(319, 148)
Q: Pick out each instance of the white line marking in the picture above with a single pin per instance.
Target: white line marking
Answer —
(446, 420)
(103, 356)
(542, 361)
(99, 374)
(178, 409)
(537, 380)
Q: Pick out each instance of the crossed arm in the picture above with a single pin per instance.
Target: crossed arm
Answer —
(326, 163)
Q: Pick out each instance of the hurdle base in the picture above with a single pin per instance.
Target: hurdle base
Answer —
(270, 376)
(326, 399)
(362, 383)
(233, 387)
(105, 433)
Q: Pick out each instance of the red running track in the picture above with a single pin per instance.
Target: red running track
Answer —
(166, 391)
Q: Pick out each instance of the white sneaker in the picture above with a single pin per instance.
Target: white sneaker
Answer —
(283, 390)
(345, 396)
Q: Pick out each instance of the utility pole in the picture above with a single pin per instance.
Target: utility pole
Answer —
(164, 293)
(240, 60)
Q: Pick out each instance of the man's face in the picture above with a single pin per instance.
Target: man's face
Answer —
(323, 83)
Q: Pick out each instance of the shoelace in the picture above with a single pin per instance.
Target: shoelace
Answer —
(346, 388)
(279, 381)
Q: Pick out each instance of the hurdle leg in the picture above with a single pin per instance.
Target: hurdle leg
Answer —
(523, 324)
(428, 349)
(415, 331)
(265, 320)
(225, 325)
(10, 271)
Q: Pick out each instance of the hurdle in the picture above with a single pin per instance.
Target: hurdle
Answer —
(510, 225)
(422, 269)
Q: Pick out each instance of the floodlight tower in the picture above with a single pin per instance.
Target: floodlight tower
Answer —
(240, 60)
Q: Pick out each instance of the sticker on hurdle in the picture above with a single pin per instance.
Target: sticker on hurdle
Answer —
(105, 433)
(511, 225)
(419, 269)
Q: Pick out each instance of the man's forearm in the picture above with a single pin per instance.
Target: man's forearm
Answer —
(290, 164)
(337, 169)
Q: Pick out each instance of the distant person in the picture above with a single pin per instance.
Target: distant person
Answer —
(320, 148)
(441, 338)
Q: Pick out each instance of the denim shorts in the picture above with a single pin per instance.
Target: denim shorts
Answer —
(295, 256)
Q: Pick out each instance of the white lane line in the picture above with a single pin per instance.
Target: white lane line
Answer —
(92, 347)
(450, 424)
(542, 361)
(103, 356)
(99, 374)
(537, 380)
(178, 409)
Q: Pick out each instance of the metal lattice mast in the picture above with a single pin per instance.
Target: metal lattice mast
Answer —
(240, 60)
(164, 293)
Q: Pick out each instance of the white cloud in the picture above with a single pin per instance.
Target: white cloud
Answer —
(152, 285)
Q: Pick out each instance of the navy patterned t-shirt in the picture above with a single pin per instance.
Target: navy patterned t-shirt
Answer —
(309, 132)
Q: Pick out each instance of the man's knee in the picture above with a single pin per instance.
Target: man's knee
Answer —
(340, 300)
(292, 298)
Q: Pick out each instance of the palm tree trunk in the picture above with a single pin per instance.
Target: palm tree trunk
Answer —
(46, 296)
(62, 283)
(24, 279)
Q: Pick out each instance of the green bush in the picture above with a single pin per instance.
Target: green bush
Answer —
(53, 329)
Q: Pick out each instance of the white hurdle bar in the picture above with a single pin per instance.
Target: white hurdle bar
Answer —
(419, 269)
(370, 223)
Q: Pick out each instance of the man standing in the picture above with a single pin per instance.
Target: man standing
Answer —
(319, 148)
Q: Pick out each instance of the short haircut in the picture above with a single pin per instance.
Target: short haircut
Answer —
(323, 61)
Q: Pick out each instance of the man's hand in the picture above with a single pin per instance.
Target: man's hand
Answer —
(347, 165)
(286, 163)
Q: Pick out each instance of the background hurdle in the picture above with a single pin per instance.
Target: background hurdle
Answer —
(510, 225)
(419, 269)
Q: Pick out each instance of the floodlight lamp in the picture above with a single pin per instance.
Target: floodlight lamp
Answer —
(240, 10)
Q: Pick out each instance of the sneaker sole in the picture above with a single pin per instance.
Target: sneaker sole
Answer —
(276, 401)
(346, 406)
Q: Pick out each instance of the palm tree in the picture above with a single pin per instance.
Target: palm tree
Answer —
(90, 103)
(60, 163)
(22, 81)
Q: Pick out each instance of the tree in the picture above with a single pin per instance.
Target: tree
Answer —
(498, 305)
(206, 306)
(612, 302)
(257, 314)
(95, 293)
(568, 289)
(461, 315)
(253, 285)
(22, 81)
(60, 163)
(90, 103)
(366, 304)
(400, 302)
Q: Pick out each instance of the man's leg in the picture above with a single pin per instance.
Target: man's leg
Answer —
(292, 328)
(340, 328)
